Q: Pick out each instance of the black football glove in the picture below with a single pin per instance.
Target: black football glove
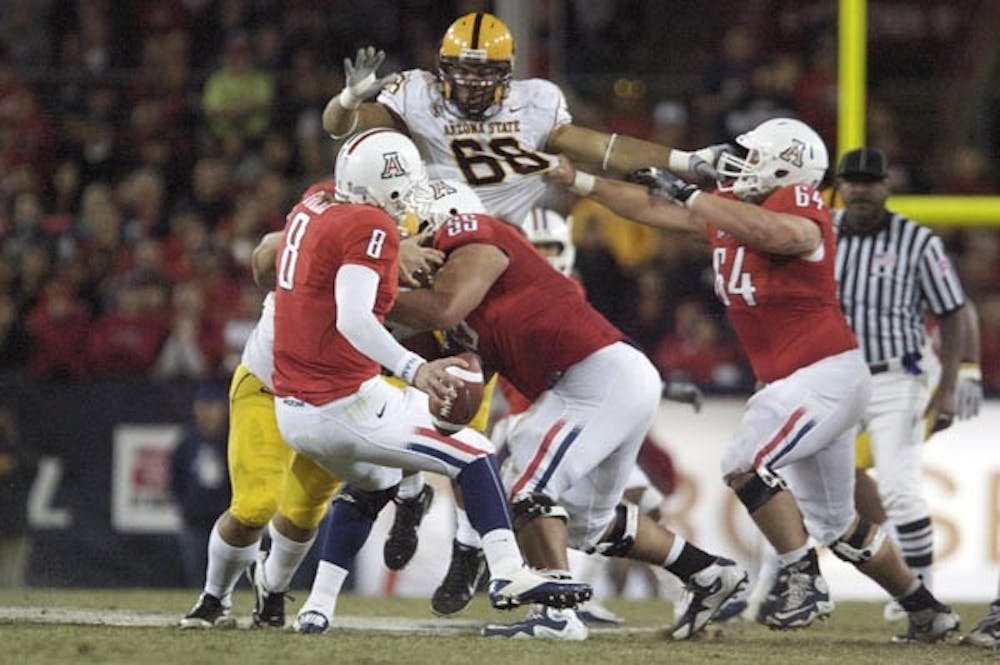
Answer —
(664, 184)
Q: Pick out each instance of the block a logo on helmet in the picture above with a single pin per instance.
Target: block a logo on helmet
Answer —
(475, 65)
(451, 198)
(780, 152)
(393, 166)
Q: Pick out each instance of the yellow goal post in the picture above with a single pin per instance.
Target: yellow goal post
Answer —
(941, 210)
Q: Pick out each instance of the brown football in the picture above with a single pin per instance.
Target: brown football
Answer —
(455, 413)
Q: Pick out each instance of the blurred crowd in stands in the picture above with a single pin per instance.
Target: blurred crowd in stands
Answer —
(145, 147)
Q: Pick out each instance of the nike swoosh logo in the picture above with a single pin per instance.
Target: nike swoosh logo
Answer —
(515, 109)
(380, 411)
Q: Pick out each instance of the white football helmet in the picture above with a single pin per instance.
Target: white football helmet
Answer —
(383, 168)
(547, 227)
(450, 198)
(781, 151)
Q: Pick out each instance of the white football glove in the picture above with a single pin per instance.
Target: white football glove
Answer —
(701, 163)
(360, 76)
(968, 391)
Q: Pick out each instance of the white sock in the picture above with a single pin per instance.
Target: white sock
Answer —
(410, 486)
(325, 589)
(284, 559)
(464, 533)
(225, 564)
(502, 553)
(793, 555)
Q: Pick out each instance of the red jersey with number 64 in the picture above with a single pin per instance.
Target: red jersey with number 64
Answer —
(534, 322)
(312, 361)
(784, 308)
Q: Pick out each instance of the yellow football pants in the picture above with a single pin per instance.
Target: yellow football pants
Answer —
(265, 474)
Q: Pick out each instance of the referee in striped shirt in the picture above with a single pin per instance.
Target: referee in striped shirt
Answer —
(890, 271)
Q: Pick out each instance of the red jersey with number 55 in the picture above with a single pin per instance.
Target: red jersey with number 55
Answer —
(312, 361)
(784, 308)
(534, 322)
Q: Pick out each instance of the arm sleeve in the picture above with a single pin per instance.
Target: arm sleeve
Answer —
(938, 280)
(355, 289)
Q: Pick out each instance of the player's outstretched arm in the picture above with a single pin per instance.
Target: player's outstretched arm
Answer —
(621, 154)
(348, 112)
(459, 286)
(628, 200)
(758, 227)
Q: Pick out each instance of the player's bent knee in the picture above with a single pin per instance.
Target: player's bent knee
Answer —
(755, 488)
(368, 503)
(533, 506)
(254, 512)
(620, 536)
(859, 544)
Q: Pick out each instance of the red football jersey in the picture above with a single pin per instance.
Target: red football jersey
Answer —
(784, 308)
(312, 361)
(534, 322)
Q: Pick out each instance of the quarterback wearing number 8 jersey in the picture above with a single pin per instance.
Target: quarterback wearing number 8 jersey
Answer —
(337, 272)
(791, 461)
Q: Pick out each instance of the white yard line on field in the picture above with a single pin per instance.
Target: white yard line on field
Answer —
(144, 619)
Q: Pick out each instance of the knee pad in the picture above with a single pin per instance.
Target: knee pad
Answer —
(368, 503)
(851, 546)
(533, 506)
(761, 487)
(620, 537)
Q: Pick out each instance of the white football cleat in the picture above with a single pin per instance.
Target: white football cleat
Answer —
(593, 613)
(525, 587)
(893, 611)
(708, 589)
(929, 625)
(542, 623)
(311, 622)
(986, 634)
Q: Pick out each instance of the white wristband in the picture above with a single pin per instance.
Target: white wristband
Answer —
(583, 183)
(690, 199)
(408, 366)
(679, 161)
(347, 99)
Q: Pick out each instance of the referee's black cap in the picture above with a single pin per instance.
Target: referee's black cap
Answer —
(864, 165)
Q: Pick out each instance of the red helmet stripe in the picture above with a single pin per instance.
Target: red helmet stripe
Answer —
(371, 132)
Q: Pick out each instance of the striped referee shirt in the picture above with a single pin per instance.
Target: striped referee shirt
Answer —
(886, 280)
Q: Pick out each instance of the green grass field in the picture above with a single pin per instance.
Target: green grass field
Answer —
(855, 635)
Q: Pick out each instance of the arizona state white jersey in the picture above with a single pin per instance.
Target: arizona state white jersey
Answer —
(258, 353)
(500, 156)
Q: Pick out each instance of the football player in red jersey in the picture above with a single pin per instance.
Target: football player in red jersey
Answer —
(337, 270)
(593, 400)
(773, 252)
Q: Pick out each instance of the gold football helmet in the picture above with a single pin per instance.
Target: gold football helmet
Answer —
(475, 65)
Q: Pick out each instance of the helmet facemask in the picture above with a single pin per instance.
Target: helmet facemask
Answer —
(779, 152)
(474, 88)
